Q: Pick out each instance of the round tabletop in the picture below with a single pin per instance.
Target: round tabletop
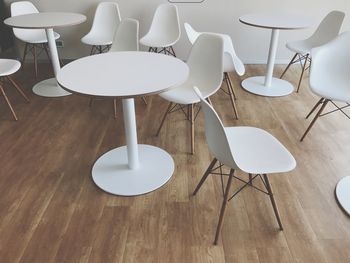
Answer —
(45, 20)
(123, 74)
(275, 21)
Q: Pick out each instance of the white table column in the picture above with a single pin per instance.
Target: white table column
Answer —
(133, 169)
(268, 85)
(47, 21)
(49, 87)
(130, 133)
(272, 57)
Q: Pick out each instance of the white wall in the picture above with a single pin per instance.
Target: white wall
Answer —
(221, 16)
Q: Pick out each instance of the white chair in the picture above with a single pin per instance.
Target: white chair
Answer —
(34, 38)
(104, 25)
(327, 30)
(164, 31)
(126, 38)
(206, 69)
(329, 76)
(7, 68)
(251, 150)
(232, 63)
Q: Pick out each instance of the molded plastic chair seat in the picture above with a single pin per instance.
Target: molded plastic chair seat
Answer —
(256, 151)
(97, 39)
(8, 66)
(327, 30)
(184, 93)
(329, 76)
(164, 31)
(156, 40)
(251, 150)
(231, 61)
(206, 69)
(35, 36)
(105, 23)
(337, 89)
(301, 47)
(126, 38)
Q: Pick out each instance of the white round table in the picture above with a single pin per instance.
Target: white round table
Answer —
(47, 21)
(342, 192)
(133, 169)
(268, 85)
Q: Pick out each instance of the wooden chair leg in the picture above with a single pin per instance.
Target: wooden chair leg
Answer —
(35, 61)
(272, 199)
(173, 51)
(315, 107)
(230, 83)
(231, 97)
(223, 207)
(46, 51)
(250, 179)
(144, 100)
(302, 72)
(205, 176)
(92, 50)
(24, 54)
(164, 117)
(115, 108)
(314, 120)
(8, 103)
(290, 63)
(20, 91)
(192, 128)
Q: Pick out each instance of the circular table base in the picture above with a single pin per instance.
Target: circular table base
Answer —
(278, 88)
(342, 192)
(49, 88)
(112, 174)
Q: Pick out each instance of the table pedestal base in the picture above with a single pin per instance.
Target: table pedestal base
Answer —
(111, 172)
(342, 192)
(278, 88)
(49, 88)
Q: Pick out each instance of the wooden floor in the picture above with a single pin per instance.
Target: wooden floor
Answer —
(51, 211)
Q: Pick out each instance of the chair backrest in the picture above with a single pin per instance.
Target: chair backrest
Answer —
(328, 29)
(191, 33)
(215, 133)
(330, 67)
(23, 8)
(206, 63)
(166, 23)
(106, 19)
(231, 60)
(126, 37)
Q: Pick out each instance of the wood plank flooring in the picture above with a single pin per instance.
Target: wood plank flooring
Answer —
(51, 211)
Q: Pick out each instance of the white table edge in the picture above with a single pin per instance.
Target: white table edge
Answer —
(47, 27)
